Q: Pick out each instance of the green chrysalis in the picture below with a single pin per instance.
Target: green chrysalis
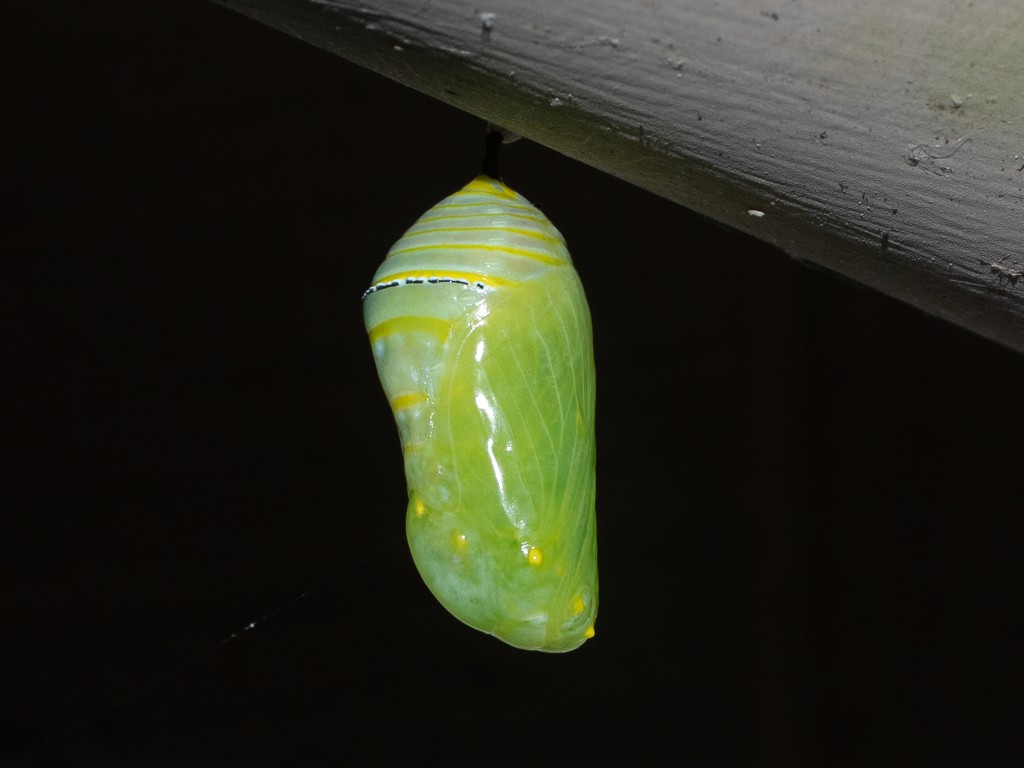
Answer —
(482, 338)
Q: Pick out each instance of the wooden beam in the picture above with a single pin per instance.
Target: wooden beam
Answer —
(881, 140)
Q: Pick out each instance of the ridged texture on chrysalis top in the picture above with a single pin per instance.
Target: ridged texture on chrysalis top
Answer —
(482, 338)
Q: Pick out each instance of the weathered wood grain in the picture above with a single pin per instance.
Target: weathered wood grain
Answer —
(881, 140)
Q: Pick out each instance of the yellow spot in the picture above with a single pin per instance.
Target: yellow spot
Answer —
(534, 556)
(418, 507)
(459, 541)
(578, 605)
(589, 633)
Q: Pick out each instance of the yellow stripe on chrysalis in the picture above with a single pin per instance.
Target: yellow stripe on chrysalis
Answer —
(439, 329)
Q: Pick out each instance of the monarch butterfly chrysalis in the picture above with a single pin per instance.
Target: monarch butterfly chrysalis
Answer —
(482, 338)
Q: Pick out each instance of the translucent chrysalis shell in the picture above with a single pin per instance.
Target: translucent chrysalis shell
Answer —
(482, 338)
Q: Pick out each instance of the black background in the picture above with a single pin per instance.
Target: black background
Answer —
(809, 495)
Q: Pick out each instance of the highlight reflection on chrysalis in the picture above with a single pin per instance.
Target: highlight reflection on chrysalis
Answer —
(482, 338)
